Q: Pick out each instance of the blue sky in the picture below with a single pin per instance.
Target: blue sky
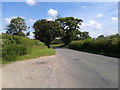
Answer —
(98, 17)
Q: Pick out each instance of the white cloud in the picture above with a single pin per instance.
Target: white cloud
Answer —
(83, 6)
(100, 15)
(98, 26)
(114, 18)
(52, 13)
(92, 33)
(95, 28)
(32, 20)
(30, 2)
(92, 24)
(31, 35)
(7, 20)
(89, 24)
(110, 32)
(50, 19)
(82, 24)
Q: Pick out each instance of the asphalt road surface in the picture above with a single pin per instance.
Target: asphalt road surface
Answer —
(90, 70)
(67, 69)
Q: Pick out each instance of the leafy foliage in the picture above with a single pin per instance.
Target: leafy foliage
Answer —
(15, 47)
(70, 25)
(16, 27)
(84, 35)
(46, 31)
(108, 44)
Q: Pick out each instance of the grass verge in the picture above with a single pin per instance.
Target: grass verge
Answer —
(35, 52)
(15, 48)
(57, 45)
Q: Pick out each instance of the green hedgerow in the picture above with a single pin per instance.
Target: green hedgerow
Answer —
(16, 47)
(108, 44)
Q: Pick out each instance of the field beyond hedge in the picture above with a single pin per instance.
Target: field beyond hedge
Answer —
(16, 48)
(101, 45)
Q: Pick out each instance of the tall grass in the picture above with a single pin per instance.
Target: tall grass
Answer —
(18, 48)
(106, 45)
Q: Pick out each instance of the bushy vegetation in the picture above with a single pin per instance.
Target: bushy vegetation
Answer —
(17, 26)
(46, 31)
(70, 26)
(109, 45)
(18, 48)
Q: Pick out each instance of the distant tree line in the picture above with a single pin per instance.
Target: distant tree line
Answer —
(66, 29)
(61, 30)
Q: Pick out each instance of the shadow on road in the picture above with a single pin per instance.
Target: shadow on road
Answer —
(57, 47)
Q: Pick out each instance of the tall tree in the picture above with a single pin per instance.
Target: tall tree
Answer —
(17, 26)
(84, 35)
(46, 31)
(69, 25)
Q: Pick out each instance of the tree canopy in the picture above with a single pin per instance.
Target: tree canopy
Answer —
(71, 27)
(46, 31)
(16, 27)
(84, 35)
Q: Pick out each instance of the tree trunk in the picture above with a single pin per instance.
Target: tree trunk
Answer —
(48, 46)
